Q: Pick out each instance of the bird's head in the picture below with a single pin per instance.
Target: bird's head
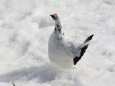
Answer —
(54, 16)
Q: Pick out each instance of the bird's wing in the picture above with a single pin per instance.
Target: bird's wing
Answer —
(72, 48)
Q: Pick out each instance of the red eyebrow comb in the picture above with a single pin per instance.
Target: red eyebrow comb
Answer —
(54, 15)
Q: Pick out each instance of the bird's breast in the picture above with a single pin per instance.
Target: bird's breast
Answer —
(58, 53)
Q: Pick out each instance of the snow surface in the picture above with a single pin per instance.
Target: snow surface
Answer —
(25, 27)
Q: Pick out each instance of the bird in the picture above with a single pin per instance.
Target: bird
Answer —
(64, 52)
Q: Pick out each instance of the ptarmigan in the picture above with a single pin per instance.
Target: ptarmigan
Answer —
(62, 51)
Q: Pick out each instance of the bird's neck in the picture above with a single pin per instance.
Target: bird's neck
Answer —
(58, 27)
(58, 34)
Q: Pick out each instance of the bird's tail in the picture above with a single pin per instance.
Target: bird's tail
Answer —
(85, 45)
(89, 38)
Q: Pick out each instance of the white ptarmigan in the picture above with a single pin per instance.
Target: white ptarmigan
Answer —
(61, 51)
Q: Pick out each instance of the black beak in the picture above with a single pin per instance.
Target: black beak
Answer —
(51, 15)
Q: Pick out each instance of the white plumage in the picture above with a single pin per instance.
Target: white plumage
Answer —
(61, 51)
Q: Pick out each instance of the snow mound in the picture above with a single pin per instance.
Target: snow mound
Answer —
(25, 27)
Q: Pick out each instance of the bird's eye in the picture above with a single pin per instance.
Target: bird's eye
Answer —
(53, 16)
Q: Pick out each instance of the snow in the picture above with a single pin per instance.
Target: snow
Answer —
(25, 27)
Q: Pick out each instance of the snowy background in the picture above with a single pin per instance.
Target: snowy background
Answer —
(25, 27)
